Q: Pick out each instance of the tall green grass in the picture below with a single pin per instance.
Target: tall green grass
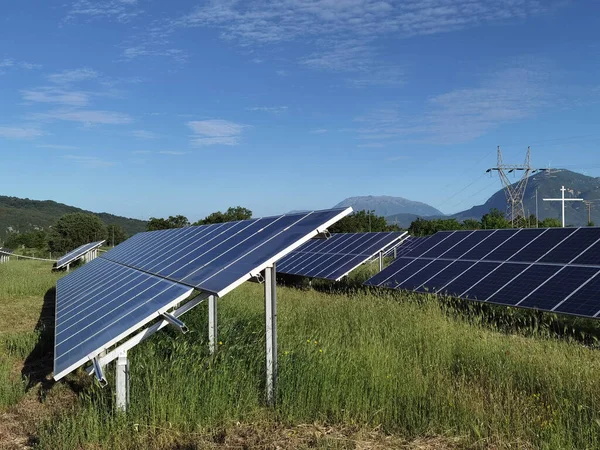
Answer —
(396, 361)
(23, 285)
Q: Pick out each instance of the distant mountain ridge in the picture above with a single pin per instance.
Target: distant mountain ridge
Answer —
(385, 205)
(548, 185)
(19, 215)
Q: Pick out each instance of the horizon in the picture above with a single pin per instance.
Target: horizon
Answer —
(141, 109)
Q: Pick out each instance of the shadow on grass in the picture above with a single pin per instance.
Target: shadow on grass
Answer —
(38, 364)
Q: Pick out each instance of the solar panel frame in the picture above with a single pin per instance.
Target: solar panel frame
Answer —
(77, 253)
(338, 256)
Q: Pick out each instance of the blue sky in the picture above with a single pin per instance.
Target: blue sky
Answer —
(151, 108)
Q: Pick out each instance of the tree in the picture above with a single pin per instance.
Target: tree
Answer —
(471, 224)
(231, 215)
(494, 220)
(361, 222)
(74, 230)
(32, 239)
(550, 222)
(591, 224)
(178, 221)
(424, 227)
(115, 234)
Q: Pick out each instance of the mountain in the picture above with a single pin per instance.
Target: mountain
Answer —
(384, 205)
(548, 185)
(22, 215)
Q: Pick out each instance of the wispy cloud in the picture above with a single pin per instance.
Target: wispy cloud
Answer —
(57, 146)
(12, 64)
(151, 49)
(89, 162)
(215, 132)
(144, 134)
(161, 152)
(117, 10)
(269, 109)
(463, 115)
(85, 116)
(53, 95)
(20, 132)
(73, 76)
(319, 131)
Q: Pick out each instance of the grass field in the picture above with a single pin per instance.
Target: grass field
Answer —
(358, 369)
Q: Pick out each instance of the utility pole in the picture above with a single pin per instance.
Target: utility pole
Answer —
(515, 192)
(537, 217)
(589, 204)
(563, 200)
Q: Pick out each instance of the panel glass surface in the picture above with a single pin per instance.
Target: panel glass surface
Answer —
(529, 280)
(573, 246)
(591, 256)
(445, 276)
(490, 244)
(518, 242)
(467, 279)
(496, 280)
(213, 257)
(584, 302)
(559, 287)
(335, 257)
(78, 252)
(552, 237)
(420, 277)
(100, 302)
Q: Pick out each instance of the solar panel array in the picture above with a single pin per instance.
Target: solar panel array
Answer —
(77, 253)
(336, 257)
(407, 245)
(552, 269)
(6, 251)
(125, 288)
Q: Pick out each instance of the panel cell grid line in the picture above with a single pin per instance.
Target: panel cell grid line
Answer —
(409, 244)
(91, 318)
(77, 253)
(336, 257)
(106, 300)
(543, 269)
(217, 258)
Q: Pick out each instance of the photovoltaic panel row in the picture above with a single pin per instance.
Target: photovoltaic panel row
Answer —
(101, 303)
(77, 253)
(6, 251)
(217, 258)
(336, 257)
(547, 269)
(114, 295)
(409, 244)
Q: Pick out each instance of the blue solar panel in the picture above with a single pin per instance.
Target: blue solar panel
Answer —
(337, 256)
(111, 297)
(218, 257)
(407, 245)
(100, 304)
(533, 268)
(77, 253)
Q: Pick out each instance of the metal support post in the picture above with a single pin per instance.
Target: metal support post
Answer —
(395, 252)
(380, 261)
(271, 332)
(212, 324)
(122, 382)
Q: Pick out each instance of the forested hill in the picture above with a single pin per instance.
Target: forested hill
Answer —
(22, 214)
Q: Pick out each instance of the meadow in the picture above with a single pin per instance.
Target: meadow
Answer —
(358, 368)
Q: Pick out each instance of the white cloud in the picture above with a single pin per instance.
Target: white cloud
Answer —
(52, 95)
(463, 115)
(20, 132)
(73, 76)
(144, 134)
(89, 162)
(160, 152)
(319, 131)
(148, 49)
(215, 132)
(9, 63)
(269, 109)
(87, 117)
(118, 10)
(57, 146)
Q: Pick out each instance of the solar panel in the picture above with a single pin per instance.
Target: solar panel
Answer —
(119, 292)
(77, 253)
(100, 304)
(6, 251)
(336, 257)
(408, 244)
(547, 269)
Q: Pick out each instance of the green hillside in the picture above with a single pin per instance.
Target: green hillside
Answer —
(22, 214)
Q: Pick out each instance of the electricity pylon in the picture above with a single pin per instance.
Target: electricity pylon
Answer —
(515, 192)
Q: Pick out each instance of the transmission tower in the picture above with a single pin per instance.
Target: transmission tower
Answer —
(515, 192)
